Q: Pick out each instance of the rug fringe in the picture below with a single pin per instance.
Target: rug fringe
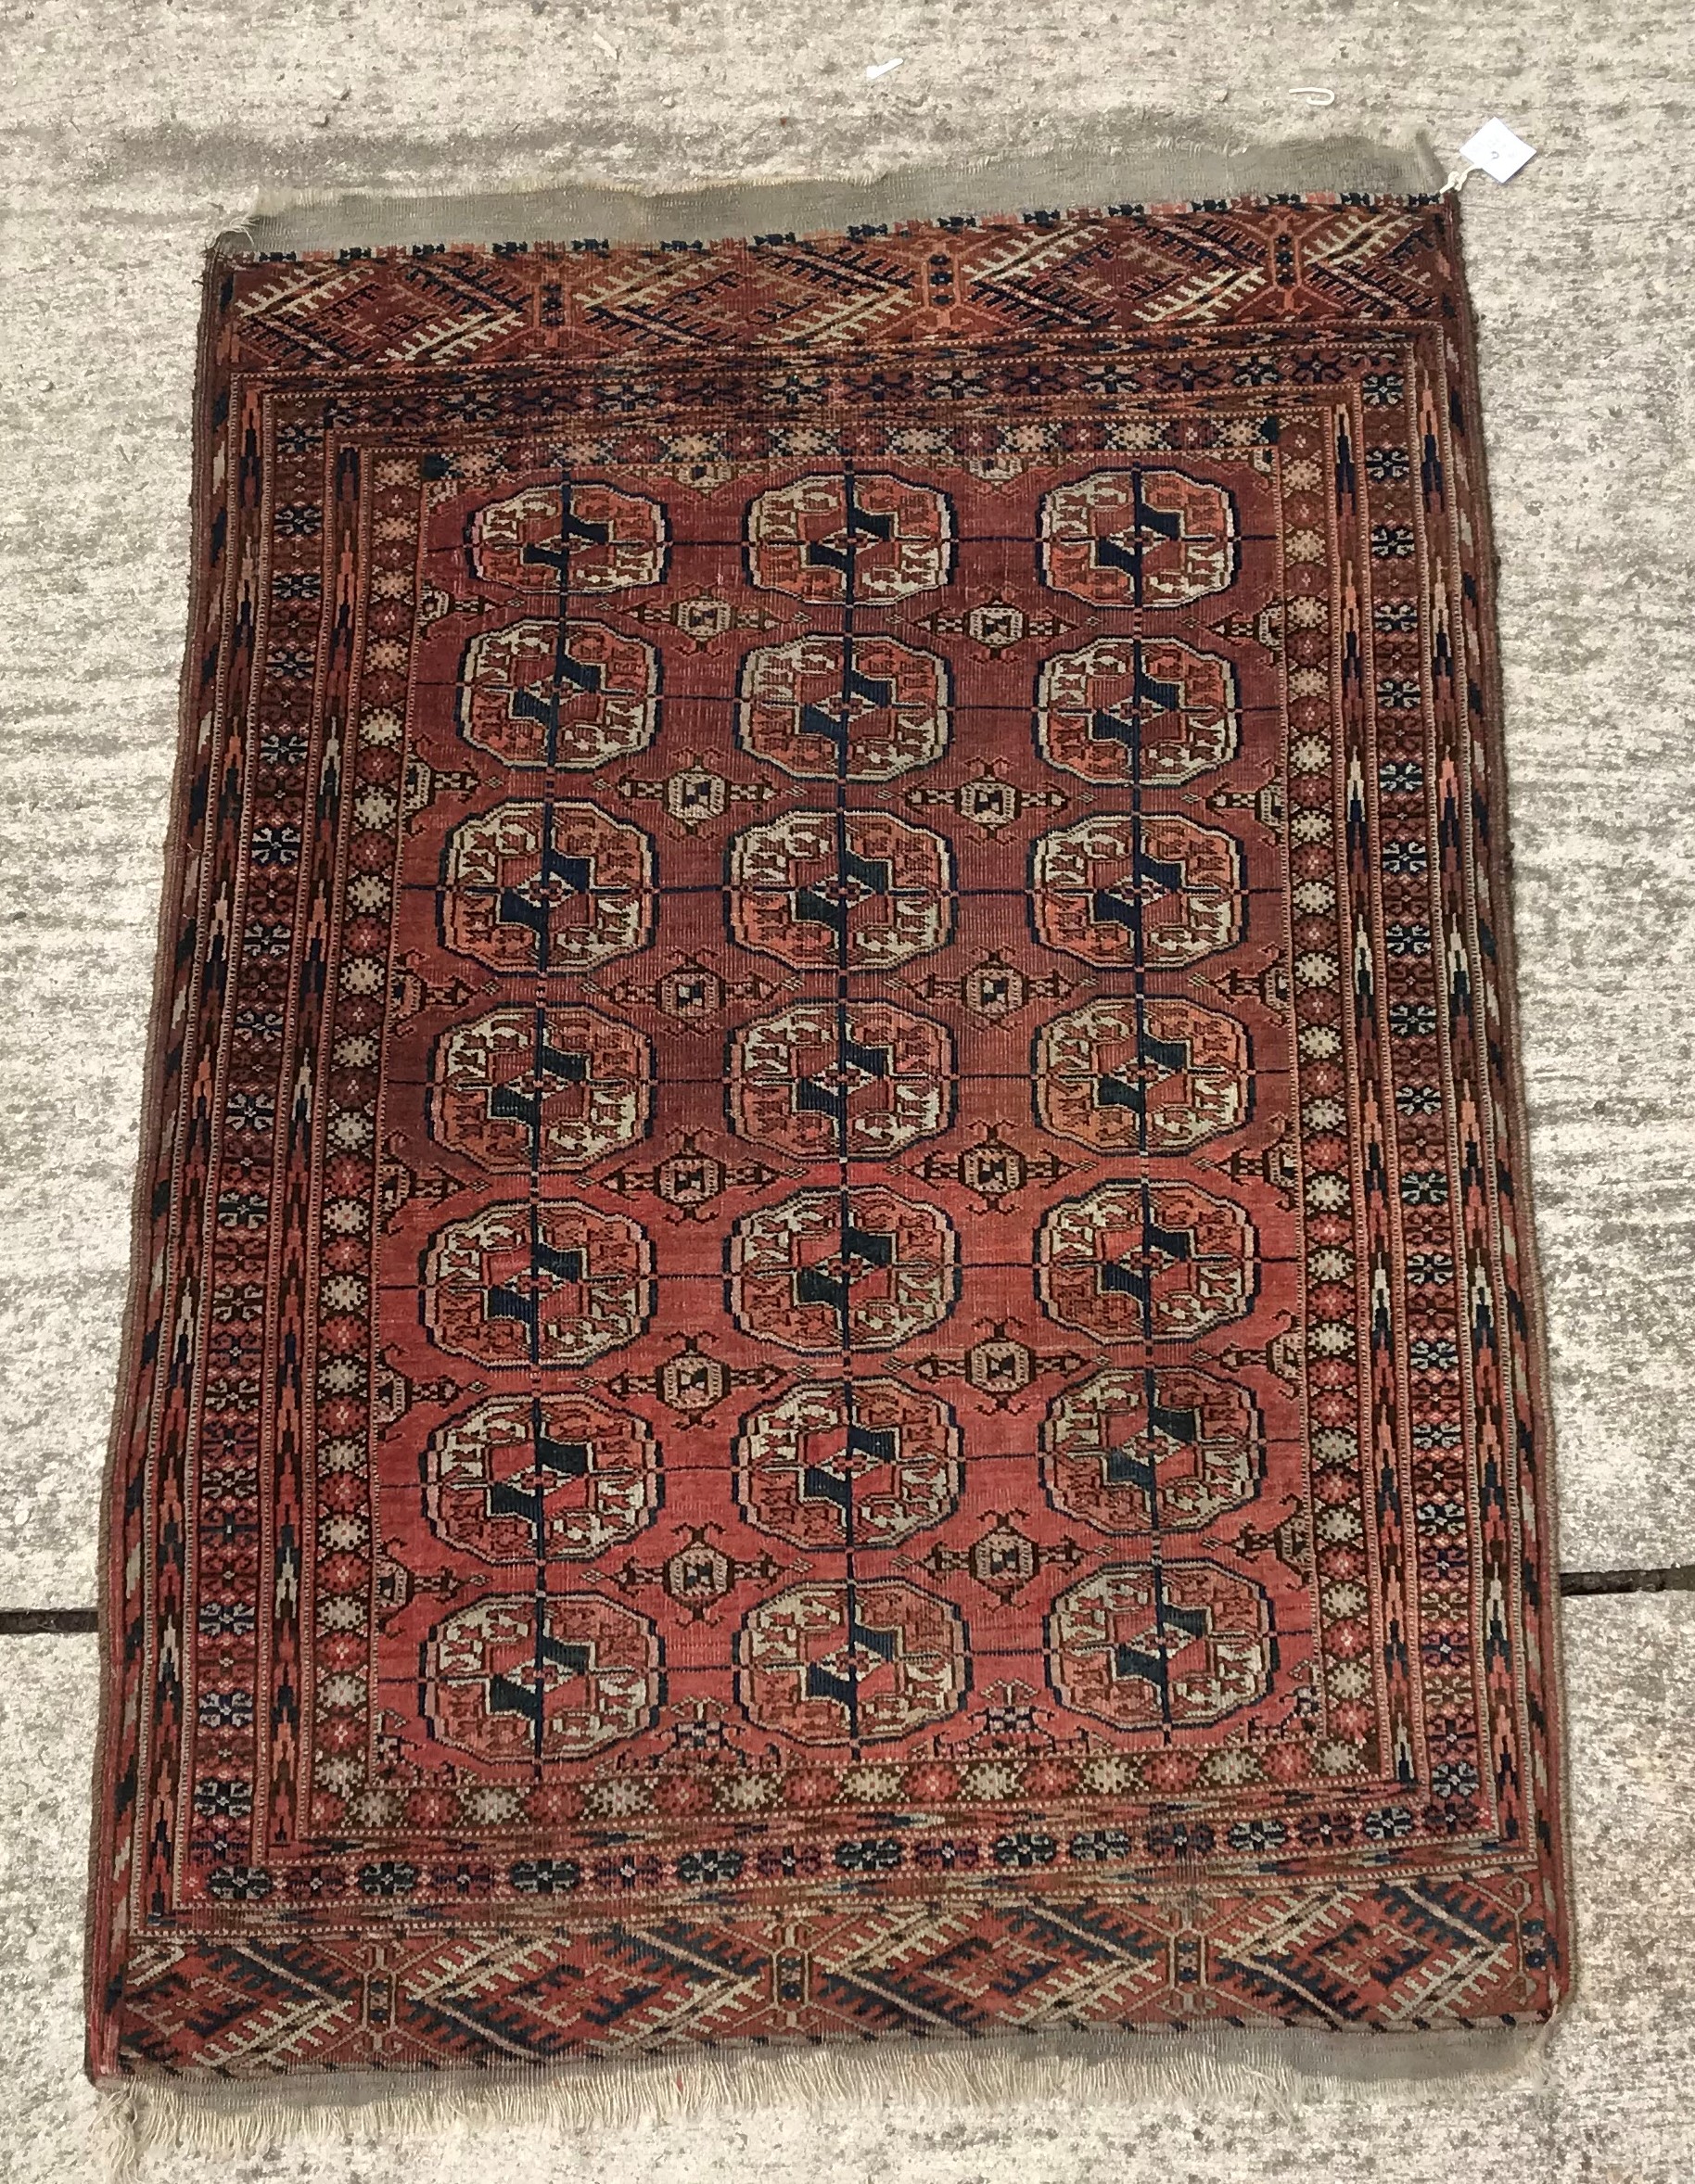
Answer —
(1273, 2070)
(1114, 162)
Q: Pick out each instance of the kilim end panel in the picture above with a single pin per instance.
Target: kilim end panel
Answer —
(834, 1330)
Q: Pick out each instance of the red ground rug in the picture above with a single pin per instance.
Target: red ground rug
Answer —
(834, 1334)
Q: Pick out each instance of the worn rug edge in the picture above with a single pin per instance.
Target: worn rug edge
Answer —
(1110, 164)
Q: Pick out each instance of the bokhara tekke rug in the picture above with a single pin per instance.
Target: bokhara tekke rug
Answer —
(833, 1332)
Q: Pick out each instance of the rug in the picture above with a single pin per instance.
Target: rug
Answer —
(834, 1335)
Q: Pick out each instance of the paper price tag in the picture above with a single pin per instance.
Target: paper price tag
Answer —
(1497, 150)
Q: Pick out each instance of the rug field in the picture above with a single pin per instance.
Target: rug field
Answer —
(834, 1333)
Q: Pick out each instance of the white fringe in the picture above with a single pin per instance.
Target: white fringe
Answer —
(1186, 2070)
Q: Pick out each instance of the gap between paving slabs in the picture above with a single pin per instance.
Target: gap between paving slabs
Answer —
(1575, 1584)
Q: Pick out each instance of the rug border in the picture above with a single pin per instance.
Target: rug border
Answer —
(155, 1123)
(1556, 1807)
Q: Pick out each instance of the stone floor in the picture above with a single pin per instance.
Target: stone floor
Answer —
(129, 133)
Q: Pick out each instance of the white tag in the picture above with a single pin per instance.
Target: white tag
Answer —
(1497, 150)
(883, 68)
